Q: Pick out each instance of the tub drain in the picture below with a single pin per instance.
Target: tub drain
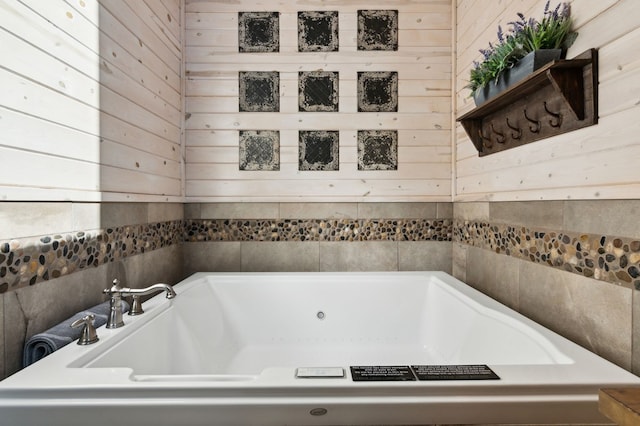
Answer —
(320, 315)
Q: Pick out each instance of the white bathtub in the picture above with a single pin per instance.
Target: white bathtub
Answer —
(230, 349)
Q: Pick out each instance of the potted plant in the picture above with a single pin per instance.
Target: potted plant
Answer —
(529, 45)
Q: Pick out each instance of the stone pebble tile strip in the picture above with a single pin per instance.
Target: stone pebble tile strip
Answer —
(606, 258)
(28, 262)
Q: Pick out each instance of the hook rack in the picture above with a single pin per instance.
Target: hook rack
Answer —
(499, 136)
(534, 127)
(556, 121)
(560, 97)
(517, 135)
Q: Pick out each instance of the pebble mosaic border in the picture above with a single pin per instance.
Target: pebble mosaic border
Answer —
(319, 230)
(602, 257)
(28, 262)
(606, 258)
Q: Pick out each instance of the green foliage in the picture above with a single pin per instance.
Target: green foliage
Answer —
(525, 35)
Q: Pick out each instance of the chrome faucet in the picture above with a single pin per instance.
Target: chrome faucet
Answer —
(116, 293)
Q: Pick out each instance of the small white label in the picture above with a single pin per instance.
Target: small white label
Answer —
(322, 372)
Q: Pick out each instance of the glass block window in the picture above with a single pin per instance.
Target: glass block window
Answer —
(259, 91)
(319, 150)
(259, 150)
(258, 32)
(378, 91)
(377, 150)
(318, 31)
(318, 91)
(377, 30)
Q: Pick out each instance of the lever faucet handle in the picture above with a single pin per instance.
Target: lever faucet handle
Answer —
(114, 289)
(89, 334)
(136, 306)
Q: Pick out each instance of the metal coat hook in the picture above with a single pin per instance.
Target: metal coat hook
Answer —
(557, 120)
(517, 130)
(535, 128)
(500, 136)
(486, 142)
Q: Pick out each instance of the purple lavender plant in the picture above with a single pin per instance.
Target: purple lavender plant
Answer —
(524, 36)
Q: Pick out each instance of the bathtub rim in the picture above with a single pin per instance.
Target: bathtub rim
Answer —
(276, 390)
(511, 375)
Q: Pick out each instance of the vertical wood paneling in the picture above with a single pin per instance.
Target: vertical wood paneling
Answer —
(423, 63)
(91, 92)
(595, 162)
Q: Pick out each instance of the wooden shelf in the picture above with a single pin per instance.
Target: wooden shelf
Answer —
(557, 98)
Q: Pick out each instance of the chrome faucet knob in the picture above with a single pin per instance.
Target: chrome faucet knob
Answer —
(115, 312)
(89, 334)
(136, 306)
(115, 287)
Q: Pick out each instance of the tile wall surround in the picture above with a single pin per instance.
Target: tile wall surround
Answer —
(104, 233)
(478, 242)
(28, 261)
(549, 233)
(544, 233)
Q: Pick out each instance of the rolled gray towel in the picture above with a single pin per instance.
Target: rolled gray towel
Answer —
(42, 344)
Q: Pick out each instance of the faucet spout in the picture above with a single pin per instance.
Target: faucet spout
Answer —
(116, 293)
(149, 290)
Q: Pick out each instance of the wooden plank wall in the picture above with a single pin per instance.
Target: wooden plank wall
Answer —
(593, 163)
(91, 100)
(423, 120)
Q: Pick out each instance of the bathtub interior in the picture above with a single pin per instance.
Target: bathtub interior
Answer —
(237, 326)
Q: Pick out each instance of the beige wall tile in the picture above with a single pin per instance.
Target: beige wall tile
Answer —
(120, 214)
(397, 210)
(444, 210)
(86, 216)
(3, 344)
(192, 211)
(606, 217)
(424, 256)
(318, 210)
(594, 314)
(635, 361)
(359, 256)
(160, 266)
(34, 309)
(239, 210)
(459, 261)
(14, 335)
(20, 220)
(471, 211)
(494, 274)
(279, 256)
(163, 212)
(533, 214)
(211, 256)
